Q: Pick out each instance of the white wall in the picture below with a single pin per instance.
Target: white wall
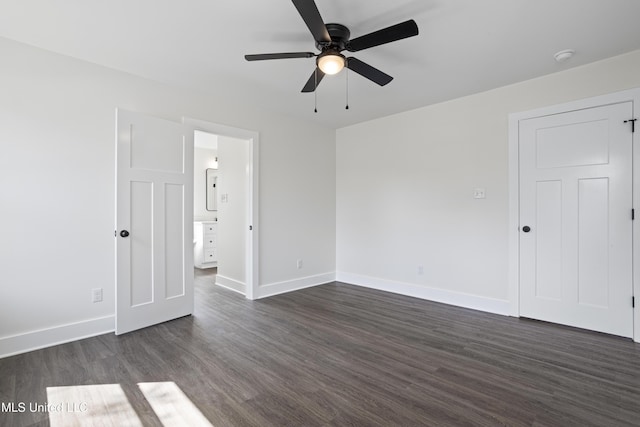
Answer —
(405, 188)
(203, 159)
(233, 156)
(57, 130)
(311, 199)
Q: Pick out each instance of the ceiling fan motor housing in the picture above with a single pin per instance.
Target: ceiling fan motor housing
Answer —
(339, 37)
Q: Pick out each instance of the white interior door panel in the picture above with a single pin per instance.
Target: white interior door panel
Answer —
(576, 201)
(154, 221)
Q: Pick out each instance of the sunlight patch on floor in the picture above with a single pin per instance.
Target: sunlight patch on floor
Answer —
(90, 405)
(172, 406)
(107, 405)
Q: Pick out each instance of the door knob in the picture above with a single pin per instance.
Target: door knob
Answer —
(124, 233)
(526, 229)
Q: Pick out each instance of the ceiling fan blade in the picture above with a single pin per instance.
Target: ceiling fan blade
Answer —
(264, 56)
(313, 81)
(386, 35)
(366, 70)
(311, 16)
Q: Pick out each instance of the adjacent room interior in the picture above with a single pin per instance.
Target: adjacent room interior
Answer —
(198, 232)
(221, 197)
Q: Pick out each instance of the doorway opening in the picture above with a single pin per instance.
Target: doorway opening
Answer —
(225, 205)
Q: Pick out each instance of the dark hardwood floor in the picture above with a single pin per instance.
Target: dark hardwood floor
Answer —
(340, 355)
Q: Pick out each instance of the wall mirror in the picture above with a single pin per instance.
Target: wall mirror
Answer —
(212, 189)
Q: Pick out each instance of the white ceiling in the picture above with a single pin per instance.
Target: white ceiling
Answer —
(464, 46)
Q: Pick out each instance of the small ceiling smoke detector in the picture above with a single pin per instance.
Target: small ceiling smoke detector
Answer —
(564, 55)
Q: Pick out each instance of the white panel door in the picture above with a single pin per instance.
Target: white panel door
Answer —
(154, 221)
(575, 219)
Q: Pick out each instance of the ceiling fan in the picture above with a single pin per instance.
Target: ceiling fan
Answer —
(331, 39)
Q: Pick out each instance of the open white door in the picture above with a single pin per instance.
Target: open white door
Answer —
(154, 221)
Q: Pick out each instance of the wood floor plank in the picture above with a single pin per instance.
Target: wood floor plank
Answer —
(340, 355)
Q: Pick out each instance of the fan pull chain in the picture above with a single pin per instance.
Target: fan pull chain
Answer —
(346, 71)
(315, 90)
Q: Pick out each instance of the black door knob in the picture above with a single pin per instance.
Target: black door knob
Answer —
(124, 233)
(526, 229)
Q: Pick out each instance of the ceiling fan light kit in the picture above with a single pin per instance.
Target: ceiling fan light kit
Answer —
(331, 62)
(331, 39)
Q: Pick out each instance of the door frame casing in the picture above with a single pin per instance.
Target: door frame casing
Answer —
(631, 95)
(252, 236)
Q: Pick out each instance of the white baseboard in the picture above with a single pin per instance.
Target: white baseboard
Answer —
(272, 289)
(459, 299)
(231, 284)
(42, 338)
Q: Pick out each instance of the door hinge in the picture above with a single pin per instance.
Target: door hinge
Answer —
(633, 124)
(633, 302)
(633, 214)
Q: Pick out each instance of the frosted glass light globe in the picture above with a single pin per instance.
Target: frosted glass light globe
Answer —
(331, 63)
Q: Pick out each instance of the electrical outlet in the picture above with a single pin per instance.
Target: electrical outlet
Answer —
(420, 270)
(299, 264)
(96, 295)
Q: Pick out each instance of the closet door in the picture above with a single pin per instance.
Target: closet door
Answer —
(575, 219)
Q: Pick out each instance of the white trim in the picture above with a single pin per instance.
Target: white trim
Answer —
(272, 289)
(230, 284)
(513, 276)
(631, 95)
(490, 305)
(42, 338)
(252, 255)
